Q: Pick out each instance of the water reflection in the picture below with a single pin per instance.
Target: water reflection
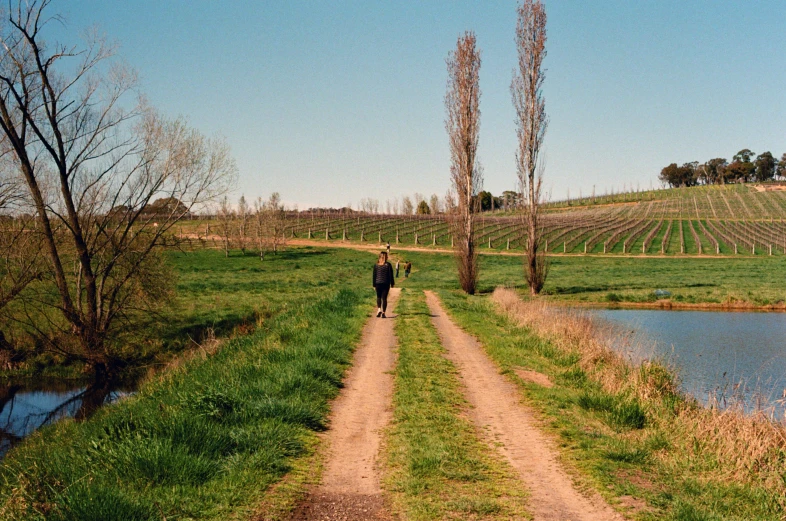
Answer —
(720, 356)
(25, 408)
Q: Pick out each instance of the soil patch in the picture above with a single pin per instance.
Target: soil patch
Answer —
(632, 503)
(341, 507)
(510, 427)
(534, 377)
(350, 486)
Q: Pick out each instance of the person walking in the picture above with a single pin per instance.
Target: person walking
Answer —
(382, 280)
(388, 248)
(407, 269)
(397, 264)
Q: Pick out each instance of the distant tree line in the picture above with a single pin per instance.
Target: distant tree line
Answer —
(743, 168)
(417, 204)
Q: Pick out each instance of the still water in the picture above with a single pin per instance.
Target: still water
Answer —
(717, 354)
(25, 407)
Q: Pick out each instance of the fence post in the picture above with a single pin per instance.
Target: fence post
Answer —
(508, 247)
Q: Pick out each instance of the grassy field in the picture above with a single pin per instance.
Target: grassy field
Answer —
(577, 279)
(206, 438)
(214, 297)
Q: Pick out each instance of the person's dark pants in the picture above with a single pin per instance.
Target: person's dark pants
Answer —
(396, 272)
(382, 296)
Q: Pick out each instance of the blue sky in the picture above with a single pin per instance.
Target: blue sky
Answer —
(328, 103)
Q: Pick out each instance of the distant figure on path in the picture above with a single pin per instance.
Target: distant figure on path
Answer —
(397, 264)
(382, 279)
(407, 269)
(388, 247)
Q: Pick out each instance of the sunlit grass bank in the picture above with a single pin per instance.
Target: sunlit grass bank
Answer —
(624, 428)
(206, 438)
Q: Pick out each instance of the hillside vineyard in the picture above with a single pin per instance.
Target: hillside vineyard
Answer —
(707, 220)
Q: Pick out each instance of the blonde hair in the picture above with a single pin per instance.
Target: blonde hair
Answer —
(383, 256)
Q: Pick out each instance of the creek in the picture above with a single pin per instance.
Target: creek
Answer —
(721, 357)
(27, 406)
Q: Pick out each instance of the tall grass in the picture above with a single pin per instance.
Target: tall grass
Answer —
(593, 341)
(726, 444)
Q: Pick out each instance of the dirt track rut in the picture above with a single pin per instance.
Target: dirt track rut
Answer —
(509, 426)
(350, 488)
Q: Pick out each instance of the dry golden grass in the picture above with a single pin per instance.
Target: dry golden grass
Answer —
(574, 331)
(727, 443)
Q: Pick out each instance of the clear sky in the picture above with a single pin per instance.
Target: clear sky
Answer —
(331, 102)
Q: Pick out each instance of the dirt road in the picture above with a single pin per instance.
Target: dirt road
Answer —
(509, 426)
(350, 488)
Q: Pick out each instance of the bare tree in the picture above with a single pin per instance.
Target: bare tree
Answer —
(449, 204)
(434, 204)
(271, 224)
(462, 106)
(407, 208)
(106, 176)
(531, 123)
(21, 261)
(226, 222)
(243, 215)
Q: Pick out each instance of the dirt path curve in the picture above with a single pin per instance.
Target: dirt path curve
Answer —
(511, 427)
(350, 488)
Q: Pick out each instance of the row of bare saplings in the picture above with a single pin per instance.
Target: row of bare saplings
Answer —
(263, 227)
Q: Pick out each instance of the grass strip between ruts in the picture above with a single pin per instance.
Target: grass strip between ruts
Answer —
(437, 468)
(203, 442)
(635, 460)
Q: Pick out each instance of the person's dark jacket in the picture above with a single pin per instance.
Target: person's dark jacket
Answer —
(383, 275)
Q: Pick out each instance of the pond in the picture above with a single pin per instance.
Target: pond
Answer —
(718, 355)
(27, 406)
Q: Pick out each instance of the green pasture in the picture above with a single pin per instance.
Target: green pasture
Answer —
(206, 437)
(216, 426)
(757, 280)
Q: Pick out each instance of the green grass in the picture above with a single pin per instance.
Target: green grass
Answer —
(217, 296)
(620, 446)
(438, 469)
(206, 439)
(577, 279)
